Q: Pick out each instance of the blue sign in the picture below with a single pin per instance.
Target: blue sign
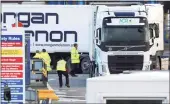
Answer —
(14, 96)
(12, 102)
(11, 38)
(14, 89)
(12, 82)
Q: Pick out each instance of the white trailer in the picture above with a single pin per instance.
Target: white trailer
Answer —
(146, 87)
(54, 28)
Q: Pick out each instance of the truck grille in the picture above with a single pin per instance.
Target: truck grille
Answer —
(118, 63)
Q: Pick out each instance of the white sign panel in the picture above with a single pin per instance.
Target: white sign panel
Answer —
(125, 21)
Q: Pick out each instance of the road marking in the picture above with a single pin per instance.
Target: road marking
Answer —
(60, 92)
(51, 79)
(61, 96)
(49, 87)
(71, 100)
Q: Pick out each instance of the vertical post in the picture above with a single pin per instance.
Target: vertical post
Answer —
(168, 38)
(16, 20)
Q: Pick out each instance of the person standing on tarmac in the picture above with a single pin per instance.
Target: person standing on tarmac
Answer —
(37, 55)
(47, 60)
(62, 70)
(75, 60)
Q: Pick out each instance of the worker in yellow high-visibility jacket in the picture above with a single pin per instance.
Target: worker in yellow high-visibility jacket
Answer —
(47, 60)
(62, 70)
(75, 60)
(37, 54)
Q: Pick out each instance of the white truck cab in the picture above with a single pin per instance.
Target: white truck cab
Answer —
(143, 87)
(127, 38)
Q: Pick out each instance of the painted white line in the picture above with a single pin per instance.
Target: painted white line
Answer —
(61, 95)
(75, 97)
(49, 87)
(60, 92)
(51, 79)
(70, 100)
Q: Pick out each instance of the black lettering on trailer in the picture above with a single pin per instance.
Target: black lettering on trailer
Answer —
(49, 36)
(30, 17)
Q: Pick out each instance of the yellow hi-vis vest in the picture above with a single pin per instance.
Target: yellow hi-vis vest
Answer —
(75, 57)
(61, 65)
(47, 60)
(37, 55)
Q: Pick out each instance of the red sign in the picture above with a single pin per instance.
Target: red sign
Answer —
(11, 74)
(11, 44)
(11, 60)
(11, 67)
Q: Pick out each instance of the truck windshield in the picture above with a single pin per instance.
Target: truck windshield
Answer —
(124, 34)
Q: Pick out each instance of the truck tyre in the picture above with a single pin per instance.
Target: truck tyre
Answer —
(85, 63)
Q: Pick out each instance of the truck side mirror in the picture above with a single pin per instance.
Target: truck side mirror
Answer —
(98, 42)
(98, 36)
(151, 40)
(99, 33)
(151, 33)
(157, 30)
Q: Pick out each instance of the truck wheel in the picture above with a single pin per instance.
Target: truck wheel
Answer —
(85, 65)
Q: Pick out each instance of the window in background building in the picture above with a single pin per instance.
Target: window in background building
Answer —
(55, 2)
(34, 2)
(66, 2)
(11, 2)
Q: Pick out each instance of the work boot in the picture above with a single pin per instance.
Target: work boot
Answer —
(68, 86)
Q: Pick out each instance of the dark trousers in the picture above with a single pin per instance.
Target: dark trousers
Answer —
(74, 68)
(65, 73)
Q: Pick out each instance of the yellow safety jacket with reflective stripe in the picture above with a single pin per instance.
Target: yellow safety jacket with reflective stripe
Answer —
(75, 57)
(61, 65)
(37, 55)
(47, 60)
